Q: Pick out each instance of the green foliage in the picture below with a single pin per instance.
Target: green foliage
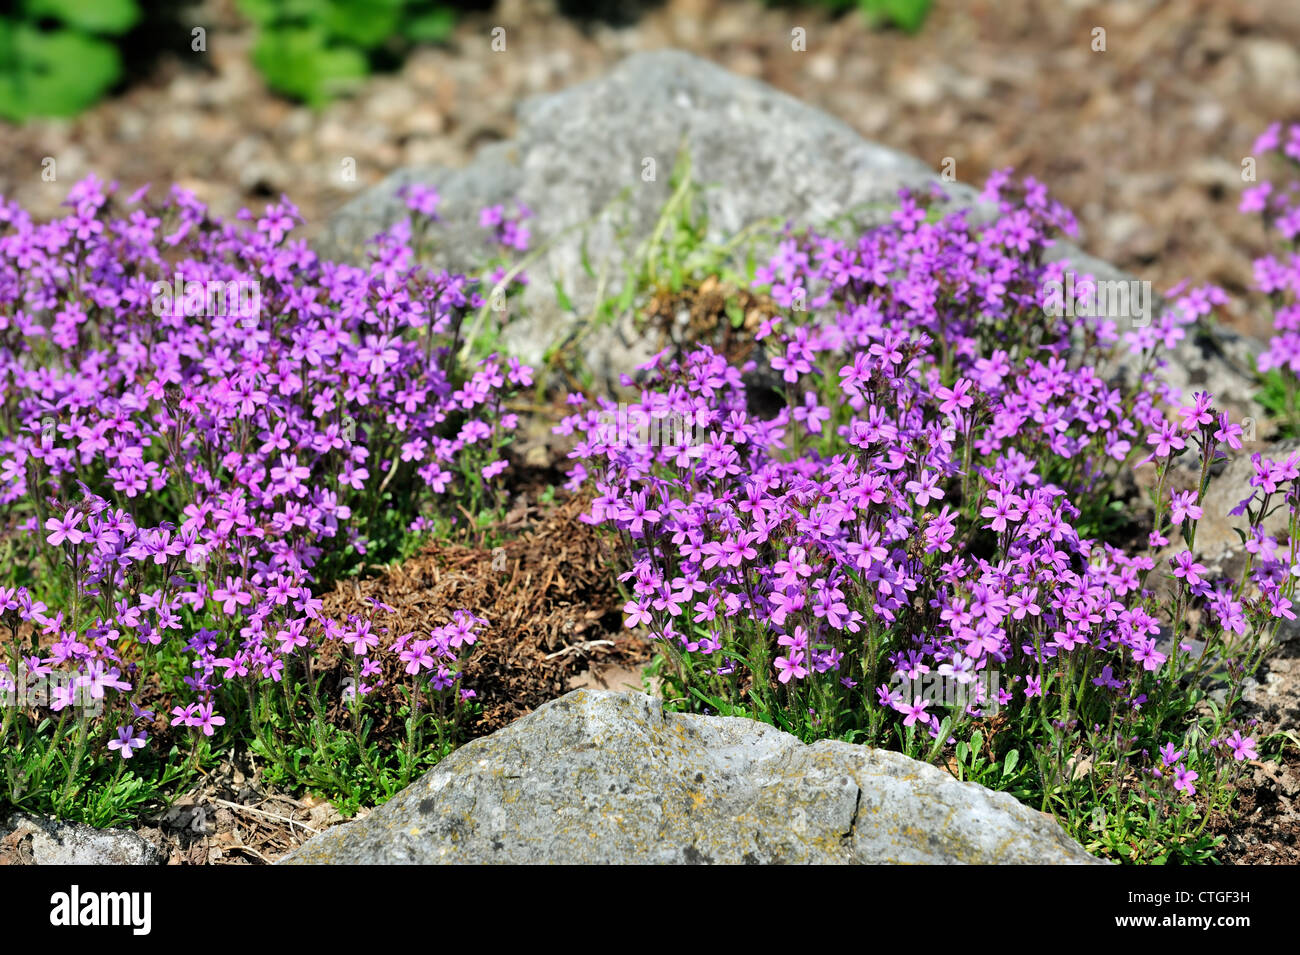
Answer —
(311, 50)
(1277, 396)
(907, 15)
(46, 779)
(301, 63)
(347, 756)
(54, 57)
(677, 254)
(113, 17)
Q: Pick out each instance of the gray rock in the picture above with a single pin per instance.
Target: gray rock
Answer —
(53, 842)
(759, 153)
(1218, 541)
(1220, 361)
(599, 777)
(578, 161)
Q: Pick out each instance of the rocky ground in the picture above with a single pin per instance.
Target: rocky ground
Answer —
(1143, 140)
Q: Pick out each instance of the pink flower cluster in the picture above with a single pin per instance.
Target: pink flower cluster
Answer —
(916, 506)
(185, 464)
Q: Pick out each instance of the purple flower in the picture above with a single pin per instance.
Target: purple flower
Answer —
(421, 199)
(204, 718)
(64, 529)
(791, 665)
(1183, 505)
(913, 711)
(1243, 747)
(128, 740)
(637, 614)
(1184, 778)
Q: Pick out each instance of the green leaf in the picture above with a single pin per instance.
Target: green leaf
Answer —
(1009, 764)
(90, 16)
(55, 73)
(261, 12)
(432, 27)
(627, 295)
(363, 23)
(906, 14)
(282, 12)
(561, 297)
(298, 63)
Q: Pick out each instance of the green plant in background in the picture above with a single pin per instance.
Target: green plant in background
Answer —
(55, 59)
(907, 15)
(1277, 396)
(312, 49)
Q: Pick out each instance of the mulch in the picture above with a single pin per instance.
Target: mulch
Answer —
(548, 592)
(698, 314)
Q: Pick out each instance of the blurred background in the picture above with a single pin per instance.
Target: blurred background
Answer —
(242, 100)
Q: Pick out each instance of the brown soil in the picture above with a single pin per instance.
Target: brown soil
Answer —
(1264, 828)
